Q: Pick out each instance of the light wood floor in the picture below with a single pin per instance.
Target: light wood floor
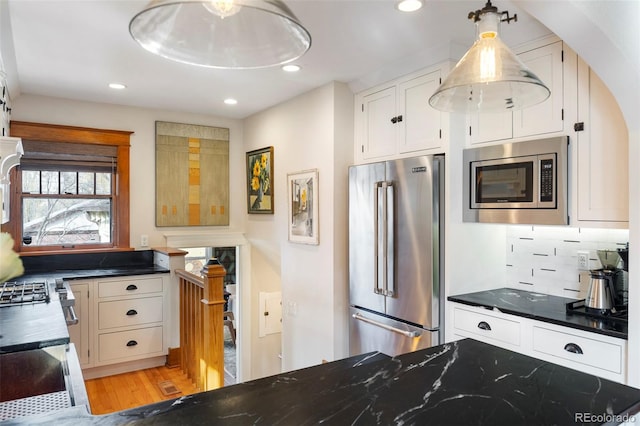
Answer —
(130, 390)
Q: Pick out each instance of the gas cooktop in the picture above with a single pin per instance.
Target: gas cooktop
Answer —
(14, 293)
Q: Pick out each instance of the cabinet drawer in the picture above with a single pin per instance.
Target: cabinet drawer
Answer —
(595, 353)
(128, 344)
(487, 326)
(129, 287)
(129, 312)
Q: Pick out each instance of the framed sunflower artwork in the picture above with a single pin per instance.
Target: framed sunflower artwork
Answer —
(260, 181)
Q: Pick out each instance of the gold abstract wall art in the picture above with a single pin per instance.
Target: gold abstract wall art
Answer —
(192, 175)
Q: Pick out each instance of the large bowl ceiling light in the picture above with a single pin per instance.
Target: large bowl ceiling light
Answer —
(234, 34)
(489, 77)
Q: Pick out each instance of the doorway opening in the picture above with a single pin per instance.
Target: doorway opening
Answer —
(195, 259)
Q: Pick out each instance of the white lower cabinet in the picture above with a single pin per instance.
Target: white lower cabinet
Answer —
(122, 319)
(79, 333)
(589, 352)
(577, 350)
(132, 312)
(130, 318)
(129, 345)
(489, 328)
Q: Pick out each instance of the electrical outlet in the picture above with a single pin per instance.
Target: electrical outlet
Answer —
(144, 240)
(583, 260)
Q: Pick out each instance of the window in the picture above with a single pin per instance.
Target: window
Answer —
(71, 189)
(66, 207)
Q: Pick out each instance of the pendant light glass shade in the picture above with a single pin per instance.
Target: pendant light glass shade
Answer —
(235, 34)
(489, 77)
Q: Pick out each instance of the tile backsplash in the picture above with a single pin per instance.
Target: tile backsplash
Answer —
(545, 259)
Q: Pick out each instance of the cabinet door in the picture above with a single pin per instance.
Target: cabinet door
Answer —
(379, 133)
(79, 333)
(420, 127)
(603, 153)
(546, 117)
(490, 126)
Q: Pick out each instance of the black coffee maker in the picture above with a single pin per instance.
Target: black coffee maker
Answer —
(615, 270)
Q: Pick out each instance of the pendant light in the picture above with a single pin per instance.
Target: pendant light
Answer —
(234, 34)
(489, 77)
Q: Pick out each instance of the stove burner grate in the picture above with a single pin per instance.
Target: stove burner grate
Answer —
(14, 293)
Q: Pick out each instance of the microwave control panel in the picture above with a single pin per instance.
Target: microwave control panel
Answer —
(546, 180)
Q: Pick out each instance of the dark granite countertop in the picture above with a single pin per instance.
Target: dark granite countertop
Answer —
(75, 266)
(78, 274)
(541, 307)
(460, 383)
(33, 326)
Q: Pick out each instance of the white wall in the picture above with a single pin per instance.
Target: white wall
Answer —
(142, 122)
(606, 35)
(312, 131)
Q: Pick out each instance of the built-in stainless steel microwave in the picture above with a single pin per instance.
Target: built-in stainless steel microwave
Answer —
(523, 182)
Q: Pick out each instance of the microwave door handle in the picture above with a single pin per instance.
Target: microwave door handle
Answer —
(389, 283)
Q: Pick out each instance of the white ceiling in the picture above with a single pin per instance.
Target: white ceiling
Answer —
(74, 48)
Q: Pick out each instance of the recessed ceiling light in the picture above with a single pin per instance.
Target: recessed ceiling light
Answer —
(230, 101)
(117, 86)
(409, 5)
(291, 68)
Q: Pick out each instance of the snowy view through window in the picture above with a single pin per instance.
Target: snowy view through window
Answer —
(66, 207)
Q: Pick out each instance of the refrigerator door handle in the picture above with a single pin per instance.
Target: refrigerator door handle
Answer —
(376, 237)
(406, 333)
(389, 282)
(384, 242)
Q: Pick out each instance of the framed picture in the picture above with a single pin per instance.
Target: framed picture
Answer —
(259, 181)
(192, 175)
(303, 207)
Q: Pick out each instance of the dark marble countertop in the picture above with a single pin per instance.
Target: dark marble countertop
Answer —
(460, 383)
(541, 307)
(73, 266)
(79, 274)
(33, 326)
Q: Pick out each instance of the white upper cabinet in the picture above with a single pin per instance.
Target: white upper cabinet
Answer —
(602, 152)
(547, 62)
(378, 123)
(547, 116)
(421, 125)
(396, 119)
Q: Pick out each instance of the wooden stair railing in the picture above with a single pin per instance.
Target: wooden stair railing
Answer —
(201, 325)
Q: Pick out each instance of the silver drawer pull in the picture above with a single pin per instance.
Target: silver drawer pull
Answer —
(483, 325)
(573, 348)
(387, 327)
(131, 312)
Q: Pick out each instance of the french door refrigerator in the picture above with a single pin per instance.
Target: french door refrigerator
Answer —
(396, 225)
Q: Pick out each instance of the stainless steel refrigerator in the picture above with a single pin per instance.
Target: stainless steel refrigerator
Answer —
(396, 226)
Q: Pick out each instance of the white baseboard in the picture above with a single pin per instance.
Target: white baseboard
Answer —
(124, 367)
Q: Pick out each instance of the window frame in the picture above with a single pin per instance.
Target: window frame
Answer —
(89, 136)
